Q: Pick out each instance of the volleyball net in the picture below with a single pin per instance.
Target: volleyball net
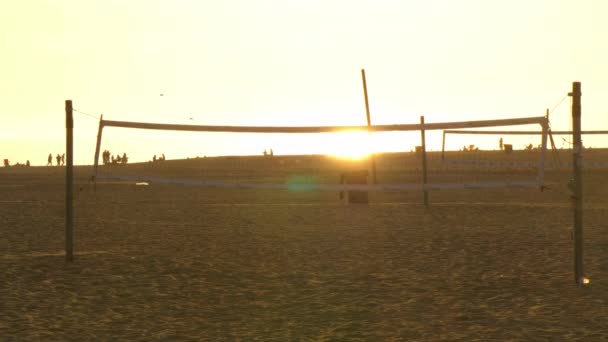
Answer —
(397, 171)
(505, 142)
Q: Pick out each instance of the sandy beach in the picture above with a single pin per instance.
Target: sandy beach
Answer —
(175, 262)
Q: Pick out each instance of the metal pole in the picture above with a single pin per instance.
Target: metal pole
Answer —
(577, 160)
(369, 124)
(424, 177)
(69, 180)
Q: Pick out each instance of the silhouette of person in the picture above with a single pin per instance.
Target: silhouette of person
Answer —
(49, 161)
(27, 163)
(63, 159)
(154, 158)
(124, 158)
(58, 158)
(163, 156)
(265, 153)
(271, 153)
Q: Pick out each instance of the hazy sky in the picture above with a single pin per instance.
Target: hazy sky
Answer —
(282, 62)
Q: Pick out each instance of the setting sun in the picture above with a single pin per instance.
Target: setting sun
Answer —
(350, 145)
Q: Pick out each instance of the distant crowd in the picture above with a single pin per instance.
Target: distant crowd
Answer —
(108, 158)
(60, 158)
(7, 163)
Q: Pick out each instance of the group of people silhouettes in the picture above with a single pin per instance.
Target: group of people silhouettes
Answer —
(161, 158)
(7, 163)
(60, 158)
(268, 153)
(108, 158)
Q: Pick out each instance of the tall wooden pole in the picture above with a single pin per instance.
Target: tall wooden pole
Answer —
(577, 160)
(369, 124)
(424, 177)
(69, 180)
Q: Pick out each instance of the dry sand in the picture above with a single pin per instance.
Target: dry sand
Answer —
(170, 262)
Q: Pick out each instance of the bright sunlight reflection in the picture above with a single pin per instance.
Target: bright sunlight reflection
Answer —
(350, 145)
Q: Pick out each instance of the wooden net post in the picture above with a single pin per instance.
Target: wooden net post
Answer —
(97, 147)
(443, 147)
(424, 176)
(69, 181)
(543, 151)
(577, 161)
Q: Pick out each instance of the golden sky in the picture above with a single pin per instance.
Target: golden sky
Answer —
(288, 62)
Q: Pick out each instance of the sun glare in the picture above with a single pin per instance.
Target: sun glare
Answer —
(350, 145)
(351, 155)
